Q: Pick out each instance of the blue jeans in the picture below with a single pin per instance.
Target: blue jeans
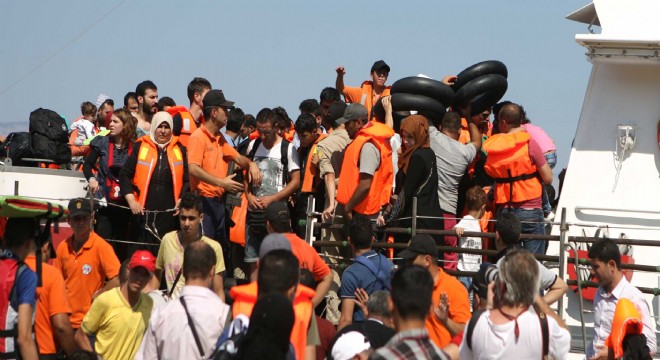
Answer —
(467, 282)
(532, 223)
(551, 159)
(213, 224)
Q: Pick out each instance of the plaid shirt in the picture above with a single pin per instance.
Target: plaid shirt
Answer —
(411, 344)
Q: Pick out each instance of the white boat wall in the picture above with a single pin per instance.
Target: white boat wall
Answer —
(613, 174)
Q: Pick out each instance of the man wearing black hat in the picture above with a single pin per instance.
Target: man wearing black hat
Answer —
(208, 157)
(370, 91)
(450, 298)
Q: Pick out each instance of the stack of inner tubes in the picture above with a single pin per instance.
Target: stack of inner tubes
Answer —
(482, 84)
(426, 96)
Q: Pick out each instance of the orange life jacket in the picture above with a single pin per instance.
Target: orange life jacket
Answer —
(146, 163)
(381, 187)
(245, 296)
(254, 135)
(311, 178)
(509, 164)
(188, 124)
(289, 135)
(627, 320)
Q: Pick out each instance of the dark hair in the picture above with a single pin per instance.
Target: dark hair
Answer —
(165, 101)
(360, 232)
(283, 120)
(306, 123)
(123, 270)
(451, 122)
(497, 107)
(250, 121)
(235, 120)
(308, 106)
(605, 250)
(129, 95)
(512, 113)
(412, 289)
(279, 271)
(509, 227)
(142, 87)
(107, 102)
(87, 108)
(206, 111)
(329, 94)
(191, 201)
(267, 115)
(20, 231)
(307, 279)
(198, 260)
(197, 85)
(475, 198)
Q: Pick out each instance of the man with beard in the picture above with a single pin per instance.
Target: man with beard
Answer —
(106, 106)
(147, 97)
(370, 91)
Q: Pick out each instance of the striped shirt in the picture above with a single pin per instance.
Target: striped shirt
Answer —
(410, 344)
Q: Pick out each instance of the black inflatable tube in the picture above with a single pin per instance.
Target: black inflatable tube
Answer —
(479, 70)
(483, 92)
(431, 108)
(423, 86)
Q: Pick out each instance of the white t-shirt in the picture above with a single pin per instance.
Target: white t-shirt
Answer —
(269, 162)
(469, 262)
(491, 341)
(85, 129)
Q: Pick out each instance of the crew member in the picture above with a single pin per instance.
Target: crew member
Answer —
(370, 91)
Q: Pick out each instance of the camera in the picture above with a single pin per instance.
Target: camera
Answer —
(492, 274)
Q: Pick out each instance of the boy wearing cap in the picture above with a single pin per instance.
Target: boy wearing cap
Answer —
(370, 91)
(120, 317)
(208, 158)
(87, 262)
(451, 306)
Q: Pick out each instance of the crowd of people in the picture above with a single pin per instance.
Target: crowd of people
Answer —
(188, 202)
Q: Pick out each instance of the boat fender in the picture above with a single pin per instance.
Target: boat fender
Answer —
(424, 105)
(423, 86)
(482, 92)
(479, 70)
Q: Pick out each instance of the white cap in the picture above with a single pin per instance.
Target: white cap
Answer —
(350, 344)
(101, 99)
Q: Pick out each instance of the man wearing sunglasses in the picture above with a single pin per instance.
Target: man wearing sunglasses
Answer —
(370, 91)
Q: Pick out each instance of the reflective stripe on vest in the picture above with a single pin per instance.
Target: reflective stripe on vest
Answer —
(381, 189)
(509, 164)
(311, 178)
(188, 124)
(245, 296)
(147, 160)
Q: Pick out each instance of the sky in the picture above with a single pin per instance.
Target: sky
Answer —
(277, 53)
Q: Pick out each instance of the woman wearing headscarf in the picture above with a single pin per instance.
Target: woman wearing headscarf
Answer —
(153, 178)
(417, 177)
(107, 156)
(269, 330)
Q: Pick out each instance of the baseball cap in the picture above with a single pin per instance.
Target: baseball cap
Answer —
(143, 258)
(216, 97)
(353, 112)
(421, 244)
(348, 345)
(378, 65)
(79, 206)
(278, 212)
(336, 110)
(274, 242)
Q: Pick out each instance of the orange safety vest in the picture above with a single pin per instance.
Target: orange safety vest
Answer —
(289, 135)
(509, 164)
(188, 123)
(379, 194)
(245, 296)
(253, 135)
(311, 177)
(146, 163)
(627, 320)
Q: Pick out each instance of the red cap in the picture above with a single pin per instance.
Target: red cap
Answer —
(143, 258)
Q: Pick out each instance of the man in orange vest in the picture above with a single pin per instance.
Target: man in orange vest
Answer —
(370, 91)
(517, 164)
(186, 121)
(367, 161)
(307, 129)
(279, 273)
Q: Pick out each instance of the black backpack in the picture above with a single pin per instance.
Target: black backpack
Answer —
(16, 147)
(49, 136)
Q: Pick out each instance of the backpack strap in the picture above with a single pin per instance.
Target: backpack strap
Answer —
(284, 159)
(381, 276)
(470, 327)
(255, 146)
(192, 327)
(545, 333)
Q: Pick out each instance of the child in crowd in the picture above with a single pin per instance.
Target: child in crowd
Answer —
(85, 124)
(476, 201)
